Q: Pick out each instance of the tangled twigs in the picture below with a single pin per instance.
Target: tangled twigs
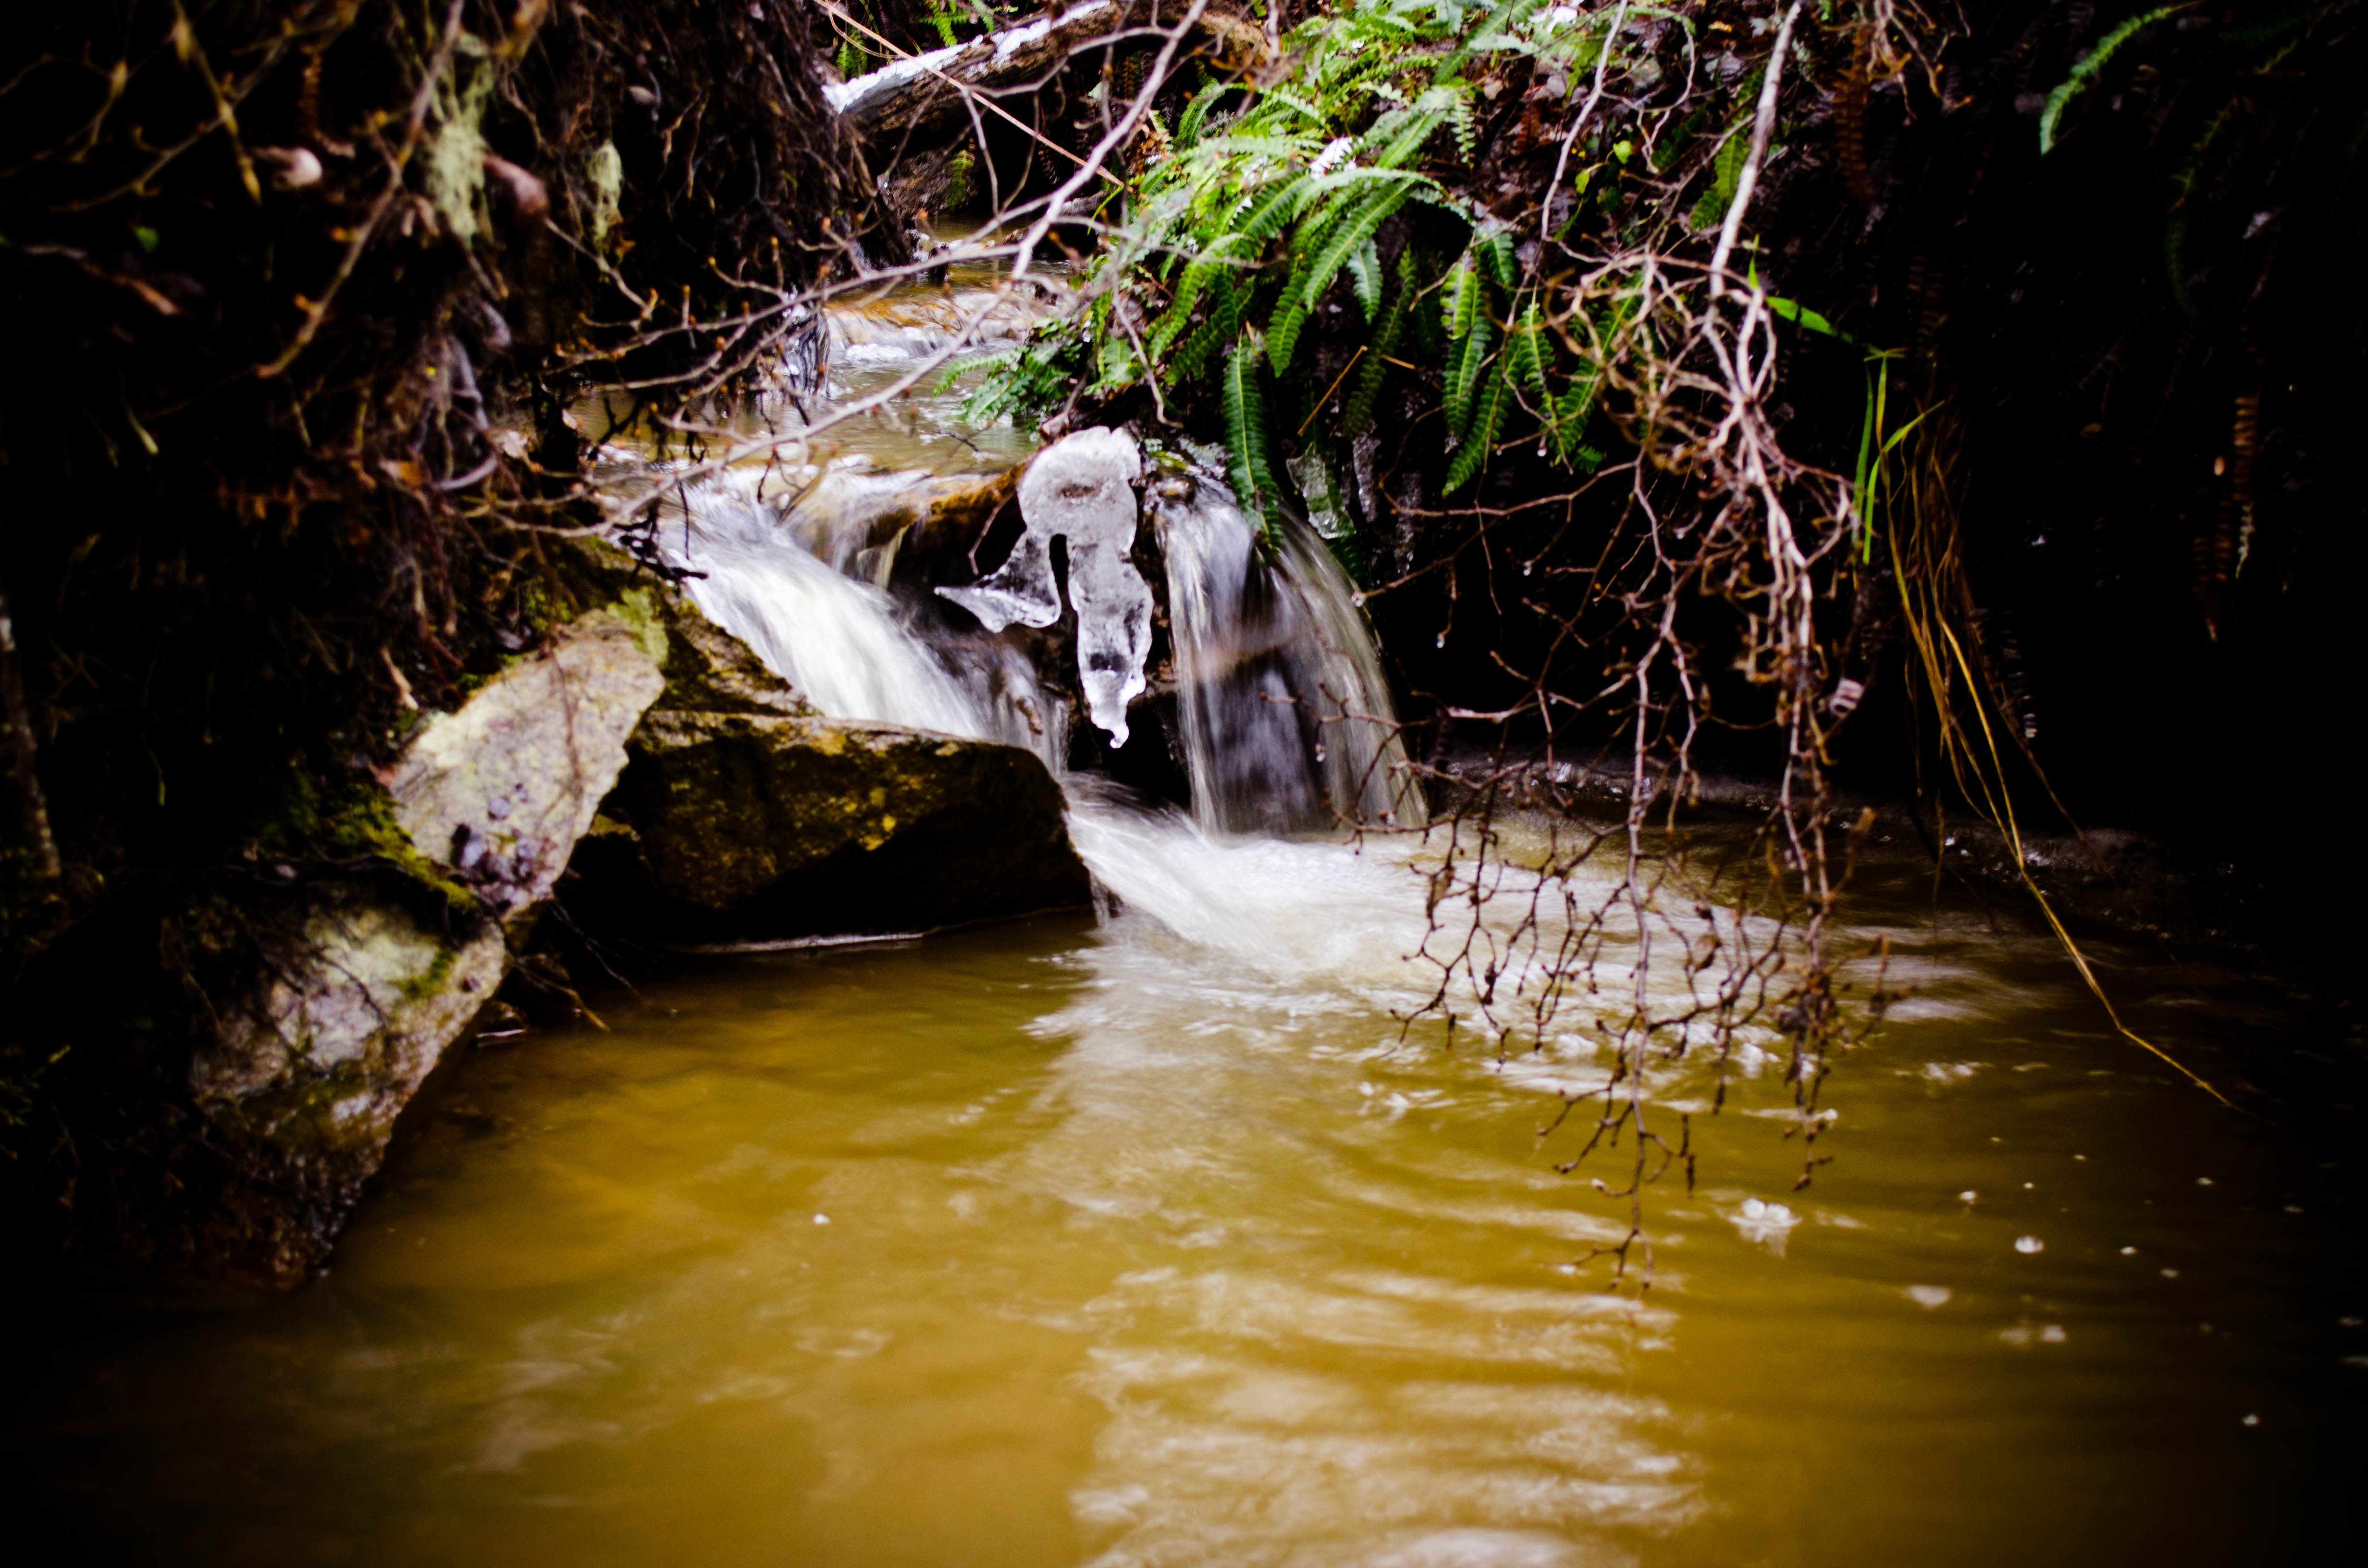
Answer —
(397, 162)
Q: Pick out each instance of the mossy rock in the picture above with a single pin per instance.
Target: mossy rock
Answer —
(301, 1080)
(753, 827)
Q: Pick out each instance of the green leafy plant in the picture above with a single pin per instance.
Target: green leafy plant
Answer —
(2086, 69)
(1267, 201)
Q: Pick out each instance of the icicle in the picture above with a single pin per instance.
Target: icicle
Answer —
(1080, 487)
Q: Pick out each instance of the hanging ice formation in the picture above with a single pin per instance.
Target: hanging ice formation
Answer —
(1081, 488)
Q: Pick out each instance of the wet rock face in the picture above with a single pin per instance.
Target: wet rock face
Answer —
(501, 790)
(300, 1086)
(365, 1019)
(756, 827)
(705, 669)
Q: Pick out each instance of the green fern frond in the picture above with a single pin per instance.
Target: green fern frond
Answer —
(1294, 102)
(1467, 128)
(1358, 412)
(960, 368)
(1495, 396)
(1355, 230)
(1278, 209)
(1282, 332)
(1496, 251)
(1568, 421)
(1365, 278)
(1400, 135)
(1468, 358)
(1246, 445)
(1196, 114)
(1213, 262)
(1726, 172)
(1459, 303)
(1527, 354)
(1228, 298)
(2090, 64)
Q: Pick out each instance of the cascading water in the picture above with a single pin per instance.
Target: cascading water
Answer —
(840, 640)
(1285, 717)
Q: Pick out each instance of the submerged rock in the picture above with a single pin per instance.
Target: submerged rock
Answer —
(752, 827)
(302, 1083)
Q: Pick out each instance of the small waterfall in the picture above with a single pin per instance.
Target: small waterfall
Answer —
(843, 642)
(1285, 715)
(1287, 720)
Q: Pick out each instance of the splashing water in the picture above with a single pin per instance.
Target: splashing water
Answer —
(840, 641)
(1276, 672)
(1286, 719)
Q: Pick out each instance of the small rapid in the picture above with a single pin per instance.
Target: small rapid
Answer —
(1286, 722)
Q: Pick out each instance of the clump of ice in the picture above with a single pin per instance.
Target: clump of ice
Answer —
(1081, 488)
(1757, 1220)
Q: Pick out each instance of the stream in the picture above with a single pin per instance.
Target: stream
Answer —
(1154, 1238)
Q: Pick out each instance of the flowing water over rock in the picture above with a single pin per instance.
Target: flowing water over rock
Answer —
(1159, 1240)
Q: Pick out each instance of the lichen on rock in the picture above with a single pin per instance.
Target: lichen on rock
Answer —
(382, 991)
(302, 1082)
(502, 789)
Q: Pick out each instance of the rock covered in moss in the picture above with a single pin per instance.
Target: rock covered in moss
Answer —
(302, 1084)
(751, 827)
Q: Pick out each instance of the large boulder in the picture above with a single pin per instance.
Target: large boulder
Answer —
(302, 1083)
(748, 828)
(746, 816)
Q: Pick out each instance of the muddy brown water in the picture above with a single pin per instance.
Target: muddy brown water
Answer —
(1156, 1242)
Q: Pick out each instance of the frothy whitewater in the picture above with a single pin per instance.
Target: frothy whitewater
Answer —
(1289, 736)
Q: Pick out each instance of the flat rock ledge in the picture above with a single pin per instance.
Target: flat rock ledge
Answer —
(730, 828)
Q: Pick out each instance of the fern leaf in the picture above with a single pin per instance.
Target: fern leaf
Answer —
(1358, 412)
(1407, 131)
(1282, 334)
(1461, 304)
(2090, 64)
(1467, 359)
(1569, 422)
(1365, 278)
(1228, 297)
(1213, 262)
(1526, 354)
(1245, 447)
(1496, 254)
(1726, 172)
(1278, 208)
(1196, 113)
(1488, 420)
(1467, 128)
(1356, 230)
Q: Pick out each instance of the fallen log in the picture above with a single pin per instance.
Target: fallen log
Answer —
(922, 96)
